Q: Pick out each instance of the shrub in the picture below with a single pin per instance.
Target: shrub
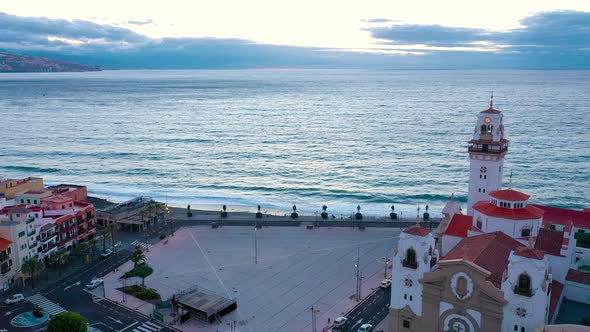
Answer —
(67, 322)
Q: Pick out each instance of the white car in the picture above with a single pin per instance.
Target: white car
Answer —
(94, 283)
(365, 328)
(106, 253)
(339, 322)
(16, 298)
(385, 283)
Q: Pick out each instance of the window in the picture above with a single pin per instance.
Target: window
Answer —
(22, 200)
(28, 201)
(485, 176)
(405, 296)
(478, 189)
(23, 246)
(410, 260)
(525, 232)
(484, 190)
(21, 234)
(524, 285)
(410, 297)
(522, 329)
(406, 324)
(35, 201)
(581, 231)
(63, 207)
(515, 327)
(478, 224)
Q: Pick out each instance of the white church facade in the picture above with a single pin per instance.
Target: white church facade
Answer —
(500, 267)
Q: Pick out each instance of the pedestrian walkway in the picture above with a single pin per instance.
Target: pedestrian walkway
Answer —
(147, 327)
(141, 244)
(46, 305)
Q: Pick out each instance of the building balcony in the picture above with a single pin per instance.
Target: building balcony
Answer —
(4, 258)
(6, 269)
(523, 291)
(48, 248)
(487, 149)
(47, 239)
(411, 265)
(30, 220)
(32, 232)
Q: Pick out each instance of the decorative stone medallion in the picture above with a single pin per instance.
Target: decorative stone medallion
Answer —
(461, 285)
(408, 282)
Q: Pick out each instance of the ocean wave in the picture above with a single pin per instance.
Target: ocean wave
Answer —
(32, 169)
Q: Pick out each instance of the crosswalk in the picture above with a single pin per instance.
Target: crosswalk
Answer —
(45, 305)
(147, 327)
(141, 244)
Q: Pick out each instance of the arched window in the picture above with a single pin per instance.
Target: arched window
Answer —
(479, 224)
(524, 285)
(484, 129)
(525, 231)
(410, 260)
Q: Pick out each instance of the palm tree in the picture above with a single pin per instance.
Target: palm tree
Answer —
(294, 215)
(32, 267)
(112, 228)
(60, 258)
(104, 233)
(92, 244)
(137, 256)
(142, 214)
(358, 214)
(150, 210)
(324, 213)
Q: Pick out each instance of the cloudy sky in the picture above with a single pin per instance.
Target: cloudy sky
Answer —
(302, 33)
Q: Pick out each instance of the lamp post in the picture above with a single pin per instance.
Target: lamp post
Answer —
(255, 245)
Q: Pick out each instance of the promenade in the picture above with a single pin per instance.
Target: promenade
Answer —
(293, 269)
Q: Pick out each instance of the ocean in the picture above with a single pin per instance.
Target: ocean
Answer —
(279, 138)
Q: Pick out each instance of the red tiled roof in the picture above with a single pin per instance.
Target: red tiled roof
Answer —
(556, 290)
(19, 209)
(561, 216)
(459, 225)
(578, 276)
(474, 229)
(509, 195)
(529, 253)
(417, 230)
(489, 209)
(4, 243)
(549, 241)
(489, 251)
(491, 111)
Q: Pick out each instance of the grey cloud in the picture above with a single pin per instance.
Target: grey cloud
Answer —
(145, 22)
(567, 29)
(377, 20)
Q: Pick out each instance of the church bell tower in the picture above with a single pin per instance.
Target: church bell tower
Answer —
(486, 154)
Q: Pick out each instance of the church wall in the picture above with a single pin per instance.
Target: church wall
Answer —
(577, 292)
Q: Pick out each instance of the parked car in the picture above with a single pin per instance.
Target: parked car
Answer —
(365, 328)
(106, 253)
(340, 322)
(16, 298)
(386, 283)
(94, 283)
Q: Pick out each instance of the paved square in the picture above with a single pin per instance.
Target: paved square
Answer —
(297, 268)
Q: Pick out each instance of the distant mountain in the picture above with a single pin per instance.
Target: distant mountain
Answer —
(13, 63)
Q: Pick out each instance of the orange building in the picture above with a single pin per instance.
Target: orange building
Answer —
(10, 187)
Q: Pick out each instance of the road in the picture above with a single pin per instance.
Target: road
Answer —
(68, 294)
(372, 311)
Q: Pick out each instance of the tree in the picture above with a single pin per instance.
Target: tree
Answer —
(583, 240)
(112, 228)
(67, 322)
(92, 244)
(143, 271)
(137, 256)
(32, 267)
(60, 258)
(83, 248)
(104, 233)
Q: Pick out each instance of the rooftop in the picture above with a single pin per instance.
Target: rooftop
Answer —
(529, 253)
(491, 111)
(489, 209)
(459, 225)
(554, 215)
(509, 195)
(417, 230)
(556, 290)
(4, 243)
(578, 276)
(489, 251)
(549, 241)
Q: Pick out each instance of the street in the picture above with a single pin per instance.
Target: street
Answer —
(372, 311)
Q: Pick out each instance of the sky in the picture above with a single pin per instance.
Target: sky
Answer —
(302, 33)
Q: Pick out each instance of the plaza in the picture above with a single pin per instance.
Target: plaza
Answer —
(294, 268)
